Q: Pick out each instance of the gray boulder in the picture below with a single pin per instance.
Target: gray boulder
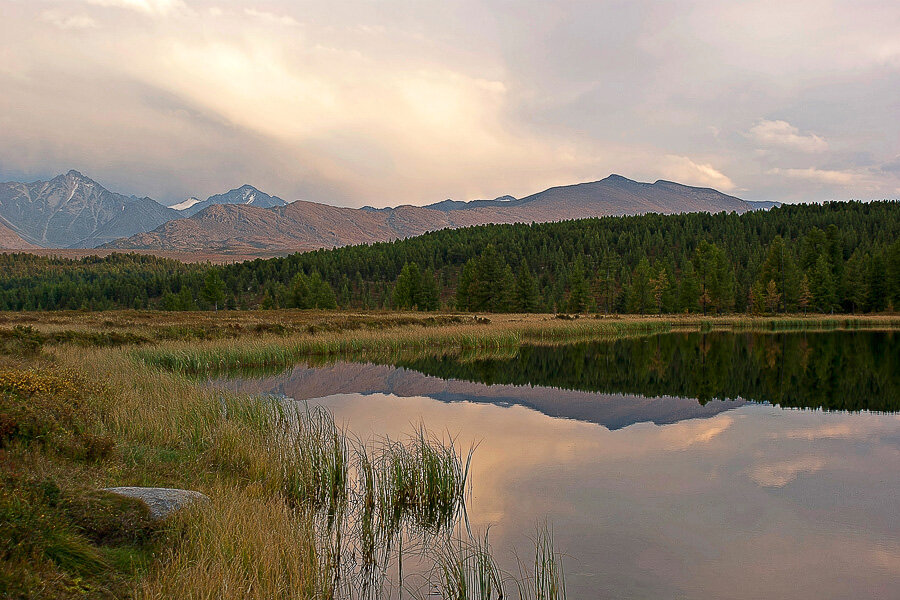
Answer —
(161, 501)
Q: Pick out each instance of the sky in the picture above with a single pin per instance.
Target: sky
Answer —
(368, 102)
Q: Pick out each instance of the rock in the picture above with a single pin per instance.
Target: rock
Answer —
(161, 501)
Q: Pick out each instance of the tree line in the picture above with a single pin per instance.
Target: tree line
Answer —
(784, 368)
(833, 257)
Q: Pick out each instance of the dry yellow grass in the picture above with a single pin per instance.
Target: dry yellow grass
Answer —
(244, 545)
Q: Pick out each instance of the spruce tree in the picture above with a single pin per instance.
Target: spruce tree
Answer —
(578, 289)
(527, 294)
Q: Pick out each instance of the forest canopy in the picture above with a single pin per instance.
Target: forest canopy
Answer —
(833, 257)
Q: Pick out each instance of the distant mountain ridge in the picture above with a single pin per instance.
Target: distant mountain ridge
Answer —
(246, 195)
(73, 211)
(308, 225)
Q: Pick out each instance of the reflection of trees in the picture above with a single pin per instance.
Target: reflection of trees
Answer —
(836, 371)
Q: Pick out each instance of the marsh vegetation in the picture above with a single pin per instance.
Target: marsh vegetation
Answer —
(301, 506)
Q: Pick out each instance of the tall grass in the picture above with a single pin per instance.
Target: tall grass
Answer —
(500, 337)
(314, 457)
(546, 580)
(240, 546)
(423, 480)
(467, 570)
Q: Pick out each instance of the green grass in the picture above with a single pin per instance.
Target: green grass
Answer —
(546, 579)
(468, 571)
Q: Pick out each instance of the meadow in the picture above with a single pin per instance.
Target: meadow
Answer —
(93, 400)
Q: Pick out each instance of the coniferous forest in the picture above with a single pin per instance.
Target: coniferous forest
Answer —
(834, 257)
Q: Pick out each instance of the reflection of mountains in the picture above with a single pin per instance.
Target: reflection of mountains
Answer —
(613, 411)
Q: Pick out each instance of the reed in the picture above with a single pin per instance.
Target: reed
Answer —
(466, 570)
(423, 480)
(546, 580)
(313, 456)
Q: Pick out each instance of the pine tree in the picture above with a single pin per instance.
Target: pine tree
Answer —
(505, 299)
(780, 267)
(213, 291)
(606, 278)
(772, 297)
(299, 292)
(893, 271)
(185, 300)
(855, 285)
(467, 276)
(321, 294)
(429, 297)
(822, 285)
(877, 283)
(688, 289)
(408, 289)
(757, 297)
(805, 298)
(640, 294)
(659, 285)
(578, 289)
(527, 294)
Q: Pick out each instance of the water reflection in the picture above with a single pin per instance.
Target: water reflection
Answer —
(749, 501)
(837, 371)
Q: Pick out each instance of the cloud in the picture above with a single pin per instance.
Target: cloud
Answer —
(779, 474)
(684, 170)
(842, 178)
(863, 428)
(689, 433)
(785, 135)
(151, 7)
(384, 103)
(64, 21)
(892, 166)
(286, 20)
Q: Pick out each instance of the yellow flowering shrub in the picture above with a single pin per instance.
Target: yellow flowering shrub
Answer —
(48, 407)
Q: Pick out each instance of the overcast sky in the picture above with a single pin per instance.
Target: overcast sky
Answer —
(384, 103)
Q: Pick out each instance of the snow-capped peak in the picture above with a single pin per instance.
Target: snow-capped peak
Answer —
(186, 204)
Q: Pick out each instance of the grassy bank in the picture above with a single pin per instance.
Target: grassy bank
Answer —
(492, 334)
(290, 495)
(97, 400)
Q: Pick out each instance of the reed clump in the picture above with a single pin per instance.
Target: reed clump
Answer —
(313, 456)
(466, 570)
(544, 580)
(423, 479)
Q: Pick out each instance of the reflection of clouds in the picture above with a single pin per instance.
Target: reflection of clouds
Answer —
(780, 474)
(688, 433)
(664, 509)
(888, 559)
(857, 430)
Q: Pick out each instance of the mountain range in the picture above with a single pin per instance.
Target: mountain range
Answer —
(73, 211)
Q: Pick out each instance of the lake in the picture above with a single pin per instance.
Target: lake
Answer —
(712, 465)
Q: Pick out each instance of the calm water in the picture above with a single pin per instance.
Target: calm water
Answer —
(666, 466)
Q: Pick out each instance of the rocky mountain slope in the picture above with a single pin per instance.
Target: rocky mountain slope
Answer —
(308, 225)
(10, 240)
(73, 211)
